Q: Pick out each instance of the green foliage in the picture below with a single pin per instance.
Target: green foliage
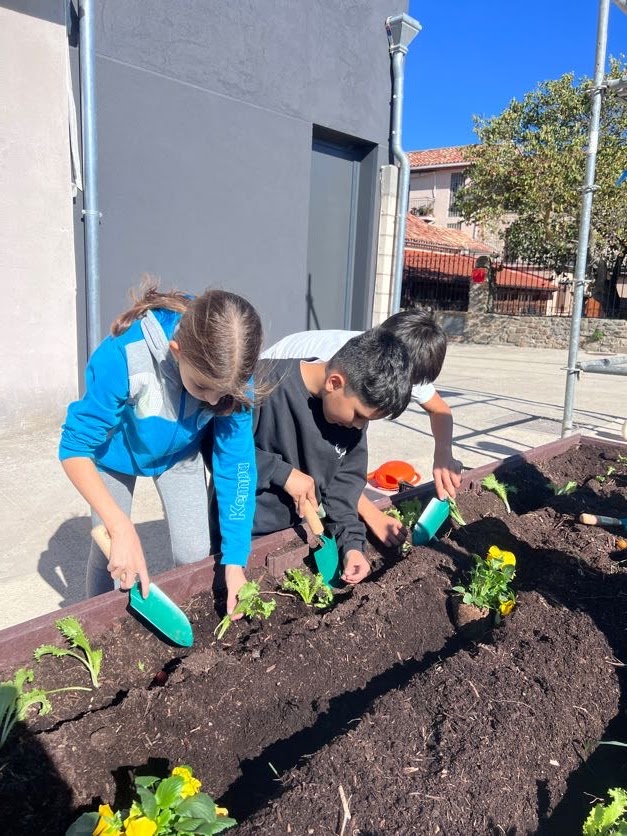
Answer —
(455, 512)
(501, 489)
(8, 710)
(72, 632)
(531, 162)
(608, 819)
(610, 469)
(311, 588)
(596, 336)
(490, 582)
(406, 512)
(165, 807)
(250, 604)
(564, 490)
(15, 700)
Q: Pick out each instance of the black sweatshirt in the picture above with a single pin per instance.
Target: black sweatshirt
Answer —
(292, 432)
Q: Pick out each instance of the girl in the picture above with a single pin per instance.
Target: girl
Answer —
(171, 364)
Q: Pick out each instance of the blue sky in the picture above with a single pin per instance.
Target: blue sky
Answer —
(474, 56)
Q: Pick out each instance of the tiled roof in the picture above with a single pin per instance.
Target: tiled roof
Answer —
(420, 231)
(448, 267)
(455, 155)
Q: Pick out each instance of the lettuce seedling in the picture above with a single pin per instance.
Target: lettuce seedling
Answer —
(610, 818)
(455, 513)
(311, 588)
(406, 512)
(564, 490)
(501, 489)
(250, 604)
(72, 632)
(15, 701)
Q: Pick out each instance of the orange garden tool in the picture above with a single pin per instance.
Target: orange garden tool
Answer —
(326, 556)
(389, 475)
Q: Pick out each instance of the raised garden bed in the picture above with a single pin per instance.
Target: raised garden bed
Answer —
(423, 732)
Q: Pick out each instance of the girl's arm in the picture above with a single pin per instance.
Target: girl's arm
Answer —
(126, 560)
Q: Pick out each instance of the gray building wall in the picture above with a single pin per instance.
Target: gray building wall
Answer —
(205, 120)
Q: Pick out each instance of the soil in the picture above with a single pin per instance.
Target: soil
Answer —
(376, 709)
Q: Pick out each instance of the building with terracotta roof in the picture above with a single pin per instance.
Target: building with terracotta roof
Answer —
(436, 176)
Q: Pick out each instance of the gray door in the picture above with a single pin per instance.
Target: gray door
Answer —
(333, 206)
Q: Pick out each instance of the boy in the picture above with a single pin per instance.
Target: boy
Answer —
(425, 341)
(310, 439)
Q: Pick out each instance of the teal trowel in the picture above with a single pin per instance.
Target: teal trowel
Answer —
(326, 555)
(157, 609)
(434, 516)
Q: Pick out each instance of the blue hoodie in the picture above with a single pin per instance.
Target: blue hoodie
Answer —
(137, 418)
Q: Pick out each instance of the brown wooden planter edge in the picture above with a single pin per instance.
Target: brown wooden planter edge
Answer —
(272, 552)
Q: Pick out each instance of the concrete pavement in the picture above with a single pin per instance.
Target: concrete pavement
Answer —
(504, 399)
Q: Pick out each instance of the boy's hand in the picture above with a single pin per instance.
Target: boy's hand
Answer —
(356, 567)
(447, 476)
(235, 579)
(301, 488)
(388, 529)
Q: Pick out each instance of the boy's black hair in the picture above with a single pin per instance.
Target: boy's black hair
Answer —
(423, 338)
(377, 368)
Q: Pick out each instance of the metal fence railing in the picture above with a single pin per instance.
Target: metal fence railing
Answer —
(441, 280)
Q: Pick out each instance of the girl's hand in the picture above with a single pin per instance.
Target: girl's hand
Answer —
(126, 558)
(235, 579)
(356, 567)
(301, 488)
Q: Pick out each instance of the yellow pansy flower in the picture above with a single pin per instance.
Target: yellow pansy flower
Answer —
(506, 558)
(221, 811)
(506, 607)
(191, 785)
(103, 828)
(140, 826)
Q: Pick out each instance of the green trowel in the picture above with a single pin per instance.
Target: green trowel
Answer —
(157, 609)
(326, 556)
(430, 520)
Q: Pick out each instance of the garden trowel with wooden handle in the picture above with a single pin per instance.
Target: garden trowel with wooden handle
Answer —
(595, 519)
(157, 609)
(326, 555)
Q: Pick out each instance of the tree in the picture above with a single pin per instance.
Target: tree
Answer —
(531, 162)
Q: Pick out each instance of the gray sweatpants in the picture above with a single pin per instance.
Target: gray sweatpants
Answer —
(183, 492)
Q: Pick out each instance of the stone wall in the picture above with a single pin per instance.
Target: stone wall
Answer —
(603, 335)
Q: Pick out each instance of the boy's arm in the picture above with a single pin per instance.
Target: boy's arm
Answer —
(342, 497)
(275, 472)
(446, 469)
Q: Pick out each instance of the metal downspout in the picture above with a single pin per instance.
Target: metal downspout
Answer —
(401, 31)
(91, 213)
(587, 190)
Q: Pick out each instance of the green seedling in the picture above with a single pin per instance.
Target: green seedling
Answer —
(406, 512)
(250, 604)
(621, 459)
(311, 588)
(564, 490)
(455, 512)
(15, 702)
(501, 489)
(610, 469)
(72, 632)
(608, 819)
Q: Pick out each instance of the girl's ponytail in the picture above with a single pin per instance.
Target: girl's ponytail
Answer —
(146, 299)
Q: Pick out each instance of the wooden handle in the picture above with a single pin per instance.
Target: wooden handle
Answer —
(592, 519)
(312, 519)
(102, 540)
